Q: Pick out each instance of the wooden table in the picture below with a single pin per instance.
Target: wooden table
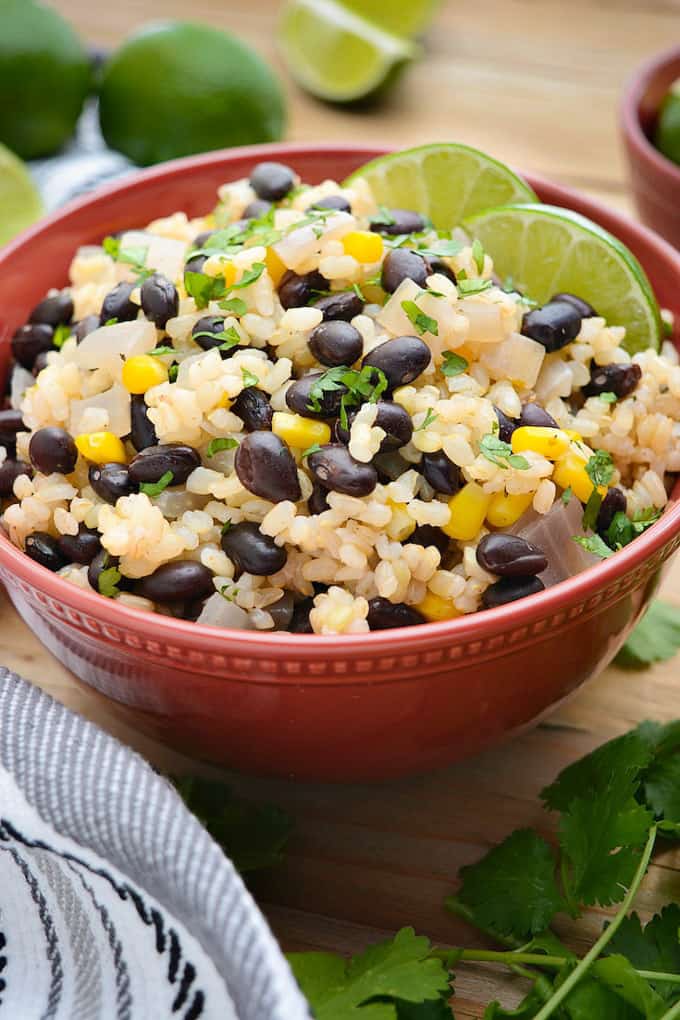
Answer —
(537, 84)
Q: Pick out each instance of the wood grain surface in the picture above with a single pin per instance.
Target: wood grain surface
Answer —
(537, 83)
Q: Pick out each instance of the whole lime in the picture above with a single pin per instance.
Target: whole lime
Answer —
(44, 78)
(667, 135)
(175, 88)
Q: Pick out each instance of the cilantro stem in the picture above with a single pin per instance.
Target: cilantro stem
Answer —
(607, 935)
(454, 906)
(673, 1013)
(511, 958)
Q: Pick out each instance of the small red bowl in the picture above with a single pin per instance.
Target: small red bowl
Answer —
(330, 708)
(655, 178)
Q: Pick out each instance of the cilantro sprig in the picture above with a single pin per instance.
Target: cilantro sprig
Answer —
(454, 364)
(499, 452)
(152, 489)
(359, 386)
(219, 444)
(134, 257)
(423, 323)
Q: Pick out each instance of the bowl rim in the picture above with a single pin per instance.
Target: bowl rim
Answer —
(474, 626)
(633, 93)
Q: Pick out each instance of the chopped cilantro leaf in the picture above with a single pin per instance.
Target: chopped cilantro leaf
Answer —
(358, 291)
(600, 468)
(314, 448)
(215, 445)
(249, 378)
(61, 335)
(173, 372)
(608, 397)
(466, 288)
(442, 249)
(566, 495)
(478, 255)
(229, 337)
(591, 511)
(107, 582)
(620, 532)
(498, 452)
(360, 386)
(328, 382)
(427, 420)
(250, 276)
(111, 246)
(157, 352)
(454, 364)
(383, 217)
(226, 526)
(423, 323)
(111, 322)
(235, 305)
(593, 544)
(228, 591)
(204, 289)
(152, 489)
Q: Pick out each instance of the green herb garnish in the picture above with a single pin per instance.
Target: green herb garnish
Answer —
(157, 352)
(592, 509)
(173, 372)
(566, 495)
(454, 364)
(593, 544)
(204, 289)
(107, 582)
(236, 306)
(360, 387)
(111, 322)
(430, 416)
(608, 397)
(152, 489)
(250, 276)
(216, 445)
(478, 255)
(466, 288)
(314, 448)
(61, 335)
(230, 337)
(600, 468)
(499, 452)
(249, 378)
(422, 322)
(445, 248)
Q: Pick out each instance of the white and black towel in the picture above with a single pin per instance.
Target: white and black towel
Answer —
(115, 903)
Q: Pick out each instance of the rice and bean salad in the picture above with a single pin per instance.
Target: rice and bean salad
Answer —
(308, 412)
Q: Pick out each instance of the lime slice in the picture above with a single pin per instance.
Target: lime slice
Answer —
(20, 203)
(447, 182)
(546, 250)
(401, 17)
(335, 53)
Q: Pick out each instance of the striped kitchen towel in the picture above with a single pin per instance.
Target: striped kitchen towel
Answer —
(115, 903)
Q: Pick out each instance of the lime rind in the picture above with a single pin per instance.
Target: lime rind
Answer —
(20, 201)
(547, 249)
(335, 53)
(446, 181)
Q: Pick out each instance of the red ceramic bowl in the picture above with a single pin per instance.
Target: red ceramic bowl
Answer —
(330, 708)
(655, 178)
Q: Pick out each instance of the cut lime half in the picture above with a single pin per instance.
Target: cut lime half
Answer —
(546, 249)
(20, 203)
(447, 182)
(335, 53)
(401, 17)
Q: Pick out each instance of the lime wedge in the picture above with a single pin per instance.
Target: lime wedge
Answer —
(335, 53)
(401, 17)
(546, 250)
(447, 182)
(20, 203)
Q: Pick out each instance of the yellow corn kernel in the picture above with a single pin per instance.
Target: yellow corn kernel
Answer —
(275, 267)
(143, 371)
(101, 447)
(550, 443)
(575, 436)
(224, 401)
(363, 245)
(295, 430)
(468, 509)
(434, 607)
(570, 473)
(229, 273)
(401, 525)
(505, 509)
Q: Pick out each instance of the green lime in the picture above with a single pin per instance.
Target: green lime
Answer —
(401, 17)
(447, 182)
(547, 250)
(667, 134)
(337, 54)
(175, 88)
(44, 78)
(20, 203)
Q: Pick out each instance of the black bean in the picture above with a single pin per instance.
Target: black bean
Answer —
(256, 209)
(337, 202)
(177, 582)
(300, 622)
(335, 343)
(614, 502)
(404, 221)
(31, 340)
(554, 325)
(282, 610)
(428, 534)
(117, 304)
(384, 615)
(53, 450)
(195, 264)
(392, 418)
(439, 266)
(251, 552)
(618, 379)
(44, 549)
(343, 304)
(11, 422)
(509, 589)
(9, 472)
(266, 467)
(56, 310)
(201, 239)
(253, 408)
(334, 468)
(81, 548)
(400, 360)
(534, 415)
(442, 474)
(403, 264)
(510, 556)
(297, 291)
(318, 501)
(160, 300)
(111, 481)
(272, 181)
(40, 363)
(506, 426)
(142, 431)
(585, 310)
(86, 326)
(101, 562)
(151, 464)
(298, 398)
